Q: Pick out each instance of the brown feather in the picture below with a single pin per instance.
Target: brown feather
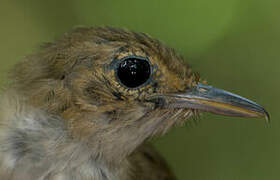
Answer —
(66, 116)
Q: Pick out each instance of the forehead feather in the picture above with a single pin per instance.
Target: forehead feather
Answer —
(132, 40)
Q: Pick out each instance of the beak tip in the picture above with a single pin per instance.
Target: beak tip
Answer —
(267, 116)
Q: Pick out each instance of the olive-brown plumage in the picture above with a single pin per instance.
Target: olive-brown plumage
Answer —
(84, 106)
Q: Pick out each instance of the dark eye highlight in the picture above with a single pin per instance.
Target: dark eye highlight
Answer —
(133, 71)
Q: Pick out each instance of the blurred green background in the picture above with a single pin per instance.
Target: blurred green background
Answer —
(234, 44)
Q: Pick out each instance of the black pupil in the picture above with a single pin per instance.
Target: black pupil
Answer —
(134, 72)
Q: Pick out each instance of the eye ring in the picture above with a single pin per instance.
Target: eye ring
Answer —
(133, 72)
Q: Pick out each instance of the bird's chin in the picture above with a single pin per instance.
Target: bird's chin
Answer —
(175, 116)
(181, 116)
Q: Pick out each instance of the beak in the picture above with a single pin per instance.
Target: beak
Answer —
(214, 100)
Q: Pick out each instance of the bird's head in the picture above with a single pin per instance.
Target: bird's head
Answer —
(115, 88)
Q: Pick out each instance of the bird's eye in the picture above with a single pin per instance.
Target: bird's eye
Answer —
(133, 71)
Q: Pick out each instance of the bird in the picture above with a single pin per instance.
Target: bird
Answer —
(85, 106)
